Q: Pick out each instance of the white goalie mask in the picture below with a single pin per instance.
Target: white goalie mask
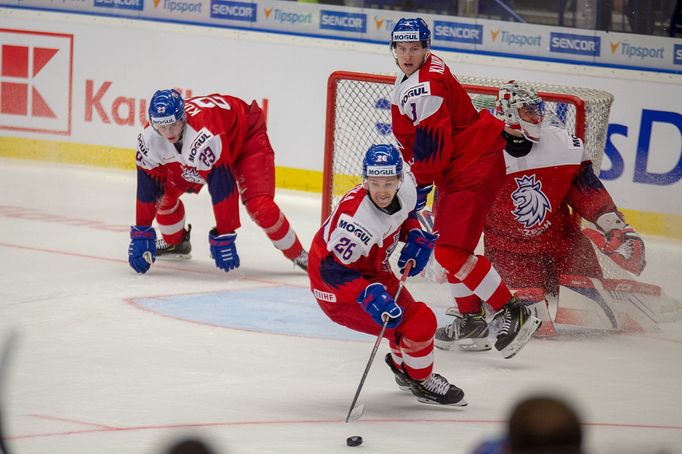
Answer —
(520, 107)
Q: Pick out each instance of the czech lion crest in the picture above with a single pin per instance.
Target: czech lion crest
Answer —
(530, 203)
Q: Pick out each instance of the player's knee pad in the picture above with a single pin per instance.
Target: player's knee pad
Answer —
(457, 262)
(263, 210)
(419, 325)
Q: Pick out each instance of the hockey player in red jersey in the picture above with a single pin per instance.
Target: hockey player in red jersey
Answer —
(533, 233)
(351, 278)
(447, 142)
(214, 140)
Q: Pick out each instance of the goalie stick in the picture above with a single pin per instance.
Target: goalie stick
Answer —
(355, 413)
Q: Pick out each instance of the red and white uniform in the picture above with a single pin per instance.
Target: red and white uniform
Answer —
(351, 251)
(533, 233)
(225, 146)
(447, 142)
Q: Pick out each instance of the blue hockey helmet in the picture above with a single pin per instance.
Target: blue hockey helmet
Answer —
(166, 107)
(411, 30)
(382, 160)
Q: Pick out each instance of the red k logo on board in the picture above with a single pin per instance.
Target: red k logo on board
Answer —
(35, 81)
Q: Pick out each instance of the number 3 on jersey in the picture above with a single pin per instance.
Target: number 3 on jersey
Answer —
(344, 248)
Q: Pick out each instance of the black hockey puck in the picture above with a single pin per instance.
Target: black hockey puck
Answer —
(355, 440)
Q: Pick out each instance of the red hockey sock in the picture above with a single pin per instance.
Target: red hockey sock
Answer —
(265, 212)
(171, 219)
(476, 273)
(466, 300)
(416, 341)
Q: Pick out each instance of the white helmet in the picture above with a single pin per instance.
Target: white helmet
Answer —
(513, 97)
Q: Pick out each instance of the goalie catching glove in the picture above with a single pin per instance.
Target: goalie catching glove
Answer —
(376, 301)
(620, 242)
(418, 248)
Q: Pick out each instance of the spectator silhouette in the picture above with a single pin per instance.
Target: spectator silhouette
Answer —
(538, 424)
(190, 446)
(544, 424)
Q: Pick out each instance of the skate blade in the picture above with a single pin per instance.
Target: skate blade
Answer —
(476, 347)
(466, 345)
(461, 403)
(173, 257)
(525, 333)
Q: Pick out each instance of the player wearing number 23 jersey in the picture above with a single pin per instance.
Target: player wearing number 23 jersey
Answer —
(219, 141)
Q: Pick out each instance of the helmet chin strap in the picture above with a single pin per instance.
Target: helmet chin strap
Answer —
(531, 131)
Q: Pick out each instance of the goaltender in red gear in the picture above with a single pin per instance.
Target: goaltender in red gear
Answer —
(450, 144)
(351, 278)
(533, 233)
(215, 140)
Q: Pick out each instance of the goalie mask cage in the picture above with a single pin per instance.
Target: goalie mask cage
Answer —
(359, 115)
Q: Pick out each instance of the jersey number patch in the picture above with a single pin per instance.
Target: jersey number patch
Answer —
(345, 248)
(208, 102)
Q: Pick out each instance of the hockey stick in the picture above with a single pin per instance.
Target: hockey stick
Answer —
(354, 412)
(7, 351)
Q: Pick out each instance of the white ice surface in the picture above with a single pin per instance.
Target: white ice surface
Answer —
(95, 373)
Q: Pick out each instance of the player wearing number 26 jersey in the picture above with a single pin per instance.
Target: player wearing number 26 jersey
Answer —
(351, 278)
(219, 141)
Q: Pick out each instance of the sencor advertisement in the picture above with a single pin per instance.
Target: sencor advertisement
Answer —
(372, 25)
(51, 90)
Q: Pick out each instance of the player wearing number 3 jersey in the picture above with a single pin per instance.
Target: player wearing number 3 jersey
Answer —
(214, 140)
(351, 278)
(449, 144)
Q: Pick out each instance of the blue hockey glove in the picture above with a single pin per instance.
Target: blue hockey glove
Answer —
(223, 250)
(376, 301)
(142, 249)
(422, 194)
(418, 248)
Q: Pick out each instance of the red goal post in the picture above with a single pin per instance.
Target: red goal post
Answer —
(358, 115)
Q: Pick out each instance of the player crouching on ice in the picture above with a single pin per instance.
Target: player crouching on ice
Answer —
(215, 140)
(532, 234)
(351, 278)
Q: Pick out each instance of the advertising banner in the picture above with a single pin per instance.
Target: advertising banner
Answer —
(373, 25)
(61, 84)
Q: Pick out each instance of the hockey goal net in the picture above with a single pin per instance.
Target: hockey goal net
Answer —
(359, 115)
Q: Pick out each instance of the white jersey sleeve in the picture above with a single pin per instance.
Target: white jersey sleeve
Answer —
(350, 240)
(153, 150)
(360, 229)
(415, 99)
(201, 149)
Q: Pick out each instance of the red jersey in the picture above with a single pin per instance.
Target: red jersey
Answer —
(352, 247)
(213, 136)
(544, 192)
(437, 126)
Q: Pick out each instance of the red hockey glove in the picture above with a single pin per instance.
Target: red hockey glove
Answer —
(619, 241)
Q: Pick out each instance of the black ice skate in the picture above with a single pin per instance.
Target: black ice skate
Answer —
(302, 260)
(400, 378)
(436, 390)
(182, 250)
(516, 326)
(468, 332)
